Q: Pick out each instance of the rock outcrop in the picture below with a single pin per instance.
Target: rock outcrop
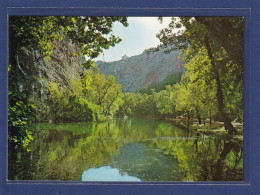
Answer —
(138, 72)
(64, 64)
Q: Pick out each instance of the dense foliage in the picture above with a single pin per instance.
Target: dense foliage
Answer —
(36, 35)
(91, 97)
(213, 48)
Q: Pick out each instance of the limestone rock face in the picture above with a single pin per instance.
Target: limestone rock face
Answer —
(138, 72)
(65, 64)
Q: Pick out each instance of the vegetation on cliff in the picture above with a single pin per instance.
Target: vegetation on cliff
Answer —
(32, 41)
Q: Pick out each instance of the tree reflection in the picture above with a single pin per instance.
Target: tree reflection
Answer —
(206, 158)
(147, 149)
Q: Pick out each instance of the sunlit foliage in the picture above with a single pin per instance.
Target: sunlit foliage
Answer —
(36, 35)
(213, 47)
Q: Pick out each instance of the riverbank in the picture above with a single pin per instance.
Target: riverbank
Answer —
(215, 128)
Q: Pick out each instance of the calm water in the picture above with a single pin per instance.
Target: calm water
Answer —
(128, 150)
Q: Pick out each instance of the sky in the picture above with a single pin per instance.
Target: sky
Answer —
(138, 36)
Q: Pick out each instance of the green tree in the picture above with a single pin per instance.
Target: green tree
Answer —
(106, 93)
(36, 34)
(199, 84)
(183, 98)
(81, 105)
(222, 37)
(129, 104)
(166, 101)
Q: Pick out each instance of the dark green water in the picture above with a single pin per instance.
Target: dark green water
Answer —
(128, 150)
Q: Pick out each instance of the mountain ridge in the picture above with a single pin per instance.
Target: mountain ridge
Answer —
(139, 71)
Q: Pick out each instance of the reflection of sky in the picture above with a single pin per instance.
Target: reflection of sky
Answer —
(106, 173)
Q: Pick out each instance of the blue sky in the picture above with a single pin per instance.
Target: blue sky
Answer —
(138, 36)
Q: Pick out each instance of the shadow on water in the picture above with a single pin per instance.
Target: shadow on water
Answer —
(127, 150)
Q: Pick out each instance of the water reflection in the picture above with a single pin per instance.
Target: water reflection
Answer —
(146, 149)
(106, 173)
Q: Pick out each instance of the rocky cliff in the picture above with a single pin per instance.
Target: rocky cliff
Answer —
(138, 72)
(64, 64)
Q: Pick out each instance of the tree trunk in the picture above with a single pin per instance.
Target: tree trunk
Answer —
(188, 121)
(227, 122)
(210, 119)
(173, 113)
(198, 115)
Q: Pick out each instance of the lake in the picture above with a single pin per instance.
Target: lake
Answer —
(131, 150)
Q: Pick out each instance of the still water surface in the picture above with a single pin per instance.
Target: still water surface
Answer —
(130, 150)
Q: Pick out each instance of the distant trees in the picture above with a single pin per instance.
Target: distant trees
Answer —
(166, 101)
(129, 104)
